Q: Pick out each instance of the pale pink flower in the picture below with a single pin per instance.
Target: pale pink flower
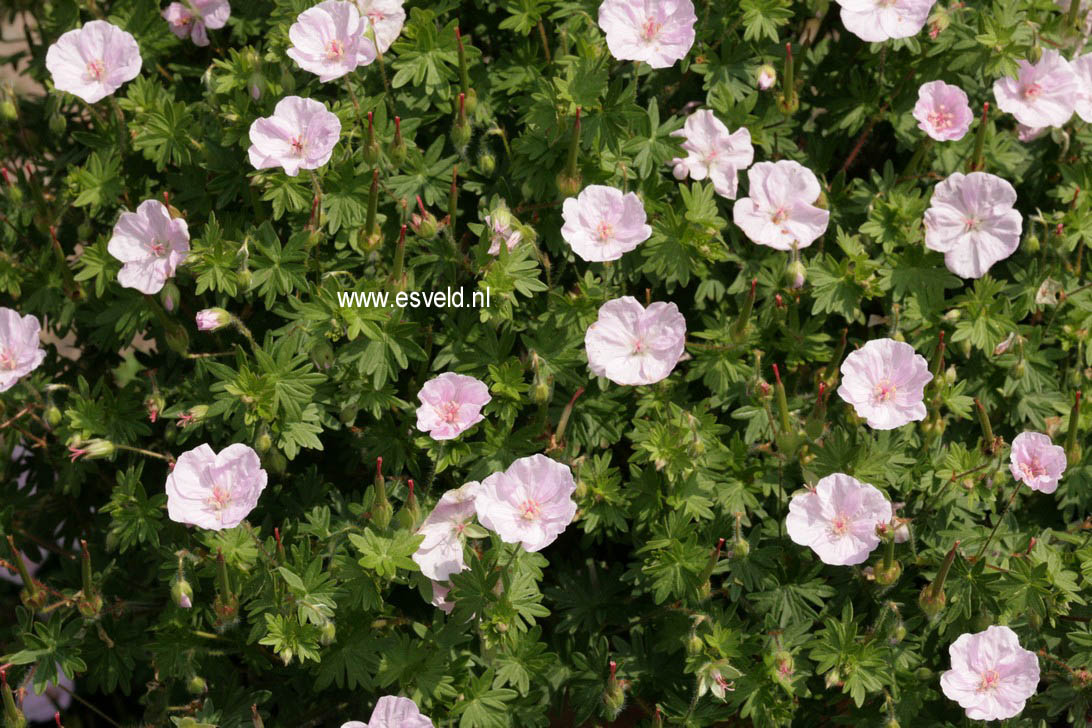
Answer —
(885, 382)
(1029, 133)
(451, 404)
(1036, 462)
(393, 712)
(838, 519)
(1043, 94)
(215, 490)
(191, 20)
(328, 40)
(501, 230)
(603, 224)
(972, 221)
(386, 17)
(713, 152)
(441, 553)
(780, 211)
(211, 319)
(629, 344)
(439, 597)
(21, 349)
(879, 20)
(529, 503)
(767, 77)
(301, 134)
(151, 244)
(658, 32)
(40, 707)
(1083, 68)
(943, 111)
(992, 676)
(93, 62)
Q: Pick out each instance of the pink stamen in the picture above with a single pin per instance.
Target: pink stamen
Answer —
(96, 69)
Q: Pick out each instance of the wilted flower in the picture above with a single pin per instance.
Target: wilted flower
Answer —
(629, 344)
(838, 519)
(441, 553)
(1036, 462)
(210, 319)
(943, 111)
(713, 152)
(40, 707)
(393, 712)
(880, 20)
(1042, 94)
(972, 221)
(451, 404)
(215, 490)
(93, 62)
(328, 40)
(780, 212)
(151, 244)
(501, 230)
(529, 503)
(767, 77)
(603, 224)
(386, 18)
(992, 676)
(301, 134)
(190, 19)
(659, 33)
(21, 350)
(885, 382)
(1082, 67)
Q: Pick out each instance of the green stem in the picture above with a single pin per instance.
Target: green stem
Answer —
(1000, 518)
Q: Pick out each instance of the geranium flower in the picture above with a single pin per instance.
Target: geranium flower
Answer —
(780, 212)
(393, 712)
(530, 503)
(629, 344)
(439, 597)
(215, 490)
(211, 319)
(386, 17)
(1082, 67)
(1037, 462)
(93, 62)
(885, 382)
(501, 230)
(713, 152)
(767, 77)
(879, 20)
(301, 134)
(1029, 133)
(450, 405)
(603, 224)
(328, 40)
(151, 244)
(21, 349)
(658, 32)
(992, 676)
(441, 553)
(972, 221)
(56, 697)
(1043, 94)
(838, 519)
(943, 111)
(192, 19)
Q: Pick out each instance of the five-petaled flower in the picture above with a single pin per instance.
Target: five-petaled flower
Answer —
(393, 712)
(713, 152)
(21, 350)
(943, 111)
(328, 40)
(971, 219)
(151, 244)
(1042, 94)
(215, 490)
(880, 20)
(301, 134)
(450, 405)
(838, 520)
(193, 18)
(501, 229)
(530, 503)
(93, 62)
(992, 676)
(441, 553)
(1037, 462)
(603, 224)
(780, 211)
(384, 19)
(885, 382)
(658, 32)
(630, 344)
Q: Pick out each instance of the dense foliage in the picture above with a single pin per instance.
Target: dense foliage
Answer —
(675, 597)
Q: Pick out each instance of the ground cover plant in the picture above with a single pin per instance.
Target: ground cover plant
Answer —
(530, 363)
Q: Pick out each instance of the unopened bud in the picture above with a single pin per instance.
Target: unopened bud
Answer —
(796, 274)
(53, 415)
(322, 355)
(569, 185)
(327, 634)
(487, 164)
(211, 319)
(196, 685)
(767, 77)
(182, 593)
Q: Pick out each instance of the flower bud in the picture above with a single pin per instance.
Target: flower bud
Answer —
(57, 124)
(487, 164)
(767, 77)
(322, 355)
(212, 319)
(196, 685)
(327, 634)
(177, 338)
(397, 151)
(930, 603)
(614, 697)
(898, 634)
(169, 296)
(264, 441)
(569, 185)
(182, 593)
(694, 644)
(796, 274)
(98, 448)
(888, 575)
(1031, 243)
(53, 415)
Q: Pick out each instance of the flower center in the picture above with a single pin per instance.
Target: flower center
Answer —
(96, 69)
(530, 509)
(779, 216)
(991, 679)
(651, 29)
(639, 347)
(941, 118)
(884, 391)
(158, 249)
(220, 498)
(839, 525)
(1032, 91)
(449, 412)
(604, 232)
(1032, 468)
(335, 50)
(297, 145)
(7, 359)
